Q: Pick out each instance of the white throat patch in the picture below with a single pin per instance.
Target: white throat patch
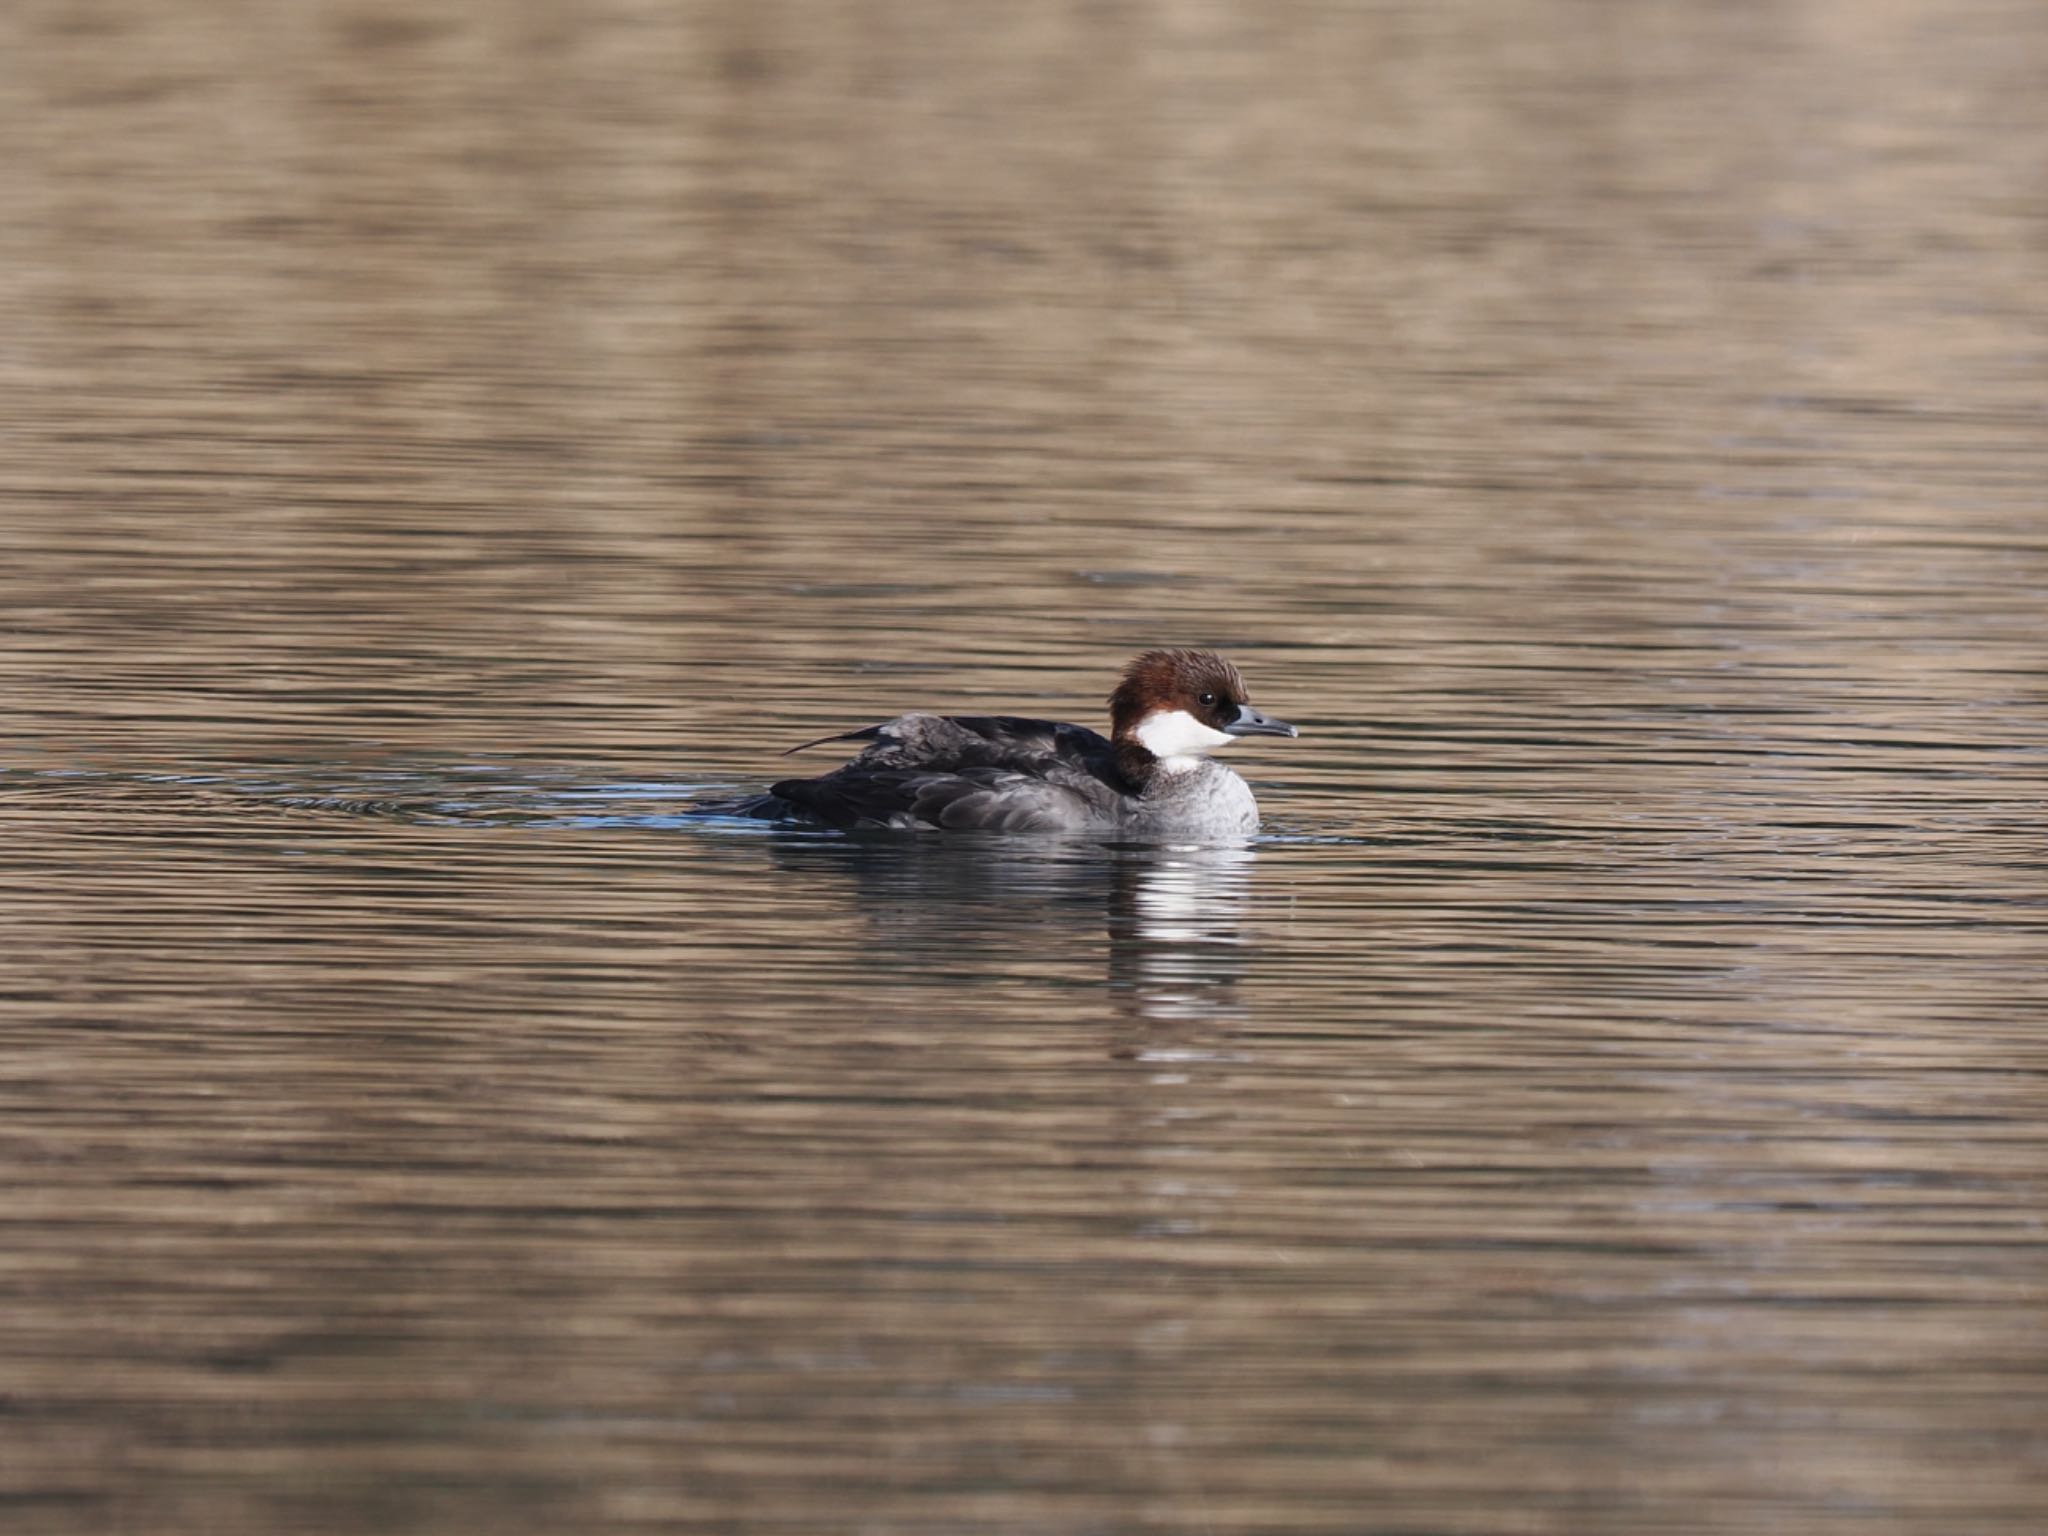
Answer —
(1177, 738)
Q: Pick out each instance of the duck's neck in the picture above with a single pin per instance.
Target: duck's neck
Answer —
(1138, 766)
(1145, 771)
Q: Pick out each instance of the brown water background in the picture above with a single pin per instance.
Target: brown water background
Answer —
(439, 441)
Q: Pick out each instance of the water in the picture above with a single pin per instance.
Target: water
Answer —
(442, 442)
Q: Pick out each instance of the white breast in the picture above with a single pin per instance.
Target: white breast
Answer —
(1204, 800)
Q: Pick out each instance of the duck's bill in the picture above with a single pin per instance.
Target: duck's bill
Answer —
(1250, 722)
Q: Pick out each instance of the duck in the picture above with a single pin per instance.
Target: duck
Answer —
(1153, 777)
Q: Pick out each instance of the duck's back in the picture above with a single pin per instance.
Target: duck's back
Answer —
(992, 773)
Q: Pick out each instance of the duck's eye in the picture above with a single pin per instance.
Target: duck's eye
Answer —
(1208, 700)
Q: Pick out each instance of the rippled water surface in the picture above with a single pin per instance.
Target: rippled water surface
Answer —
(439, 442)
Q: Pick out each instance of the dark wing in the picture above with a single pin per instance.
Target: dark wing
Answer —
(975, 799)
(995, 773)
(960, 741)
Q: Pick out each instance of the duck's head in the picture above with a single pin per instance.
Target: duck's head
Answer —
(1180, 706)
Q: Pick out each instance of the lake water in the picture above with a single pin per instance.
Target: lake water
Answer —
(442, 441)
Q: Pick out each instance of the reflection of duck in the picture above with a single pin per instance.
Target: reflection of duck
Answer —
(1176, 933)
(1174, 915)
(1151, 777)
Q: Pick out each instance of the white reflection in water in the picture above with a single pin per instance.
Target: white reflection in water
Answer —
(1176, 935)
(1174, 916)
